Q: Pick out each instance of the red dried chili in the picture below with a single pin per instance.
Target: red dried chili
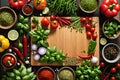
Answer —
(27, 9)
(45, 74)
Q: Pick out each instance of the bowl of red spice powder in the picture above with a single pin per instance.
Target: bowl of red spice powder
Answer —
(46, 73)
(27, 9)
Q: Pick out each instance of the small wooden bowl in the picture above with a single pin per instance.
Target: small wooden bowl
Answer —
(8, 9)
(28, 6)
(45, 67)
(9, 54)
(67, 68)
(113, 37)
(78, 1)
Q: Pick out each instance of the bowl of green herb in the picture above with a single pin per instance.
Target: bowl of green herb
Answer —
(111, 28)
(8, 17)
(88, 6)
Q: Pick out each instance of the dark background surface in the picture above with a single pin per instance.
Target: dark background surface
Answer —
(80, 13)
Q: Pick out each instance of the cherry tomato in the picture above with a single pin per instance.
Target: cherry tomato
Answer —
(8, 61)
(89, 34)
(92, 30)
(113, 78)
(54, 24)
(52, 17)
(87, 26)
(94, 36)
(102, 64)
(113, 70)
(118, 65)
(45, 22)
(90, 18)
(83, 19)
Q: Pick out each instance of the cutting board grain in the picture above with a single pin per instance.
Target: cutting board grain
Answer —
(71, 42)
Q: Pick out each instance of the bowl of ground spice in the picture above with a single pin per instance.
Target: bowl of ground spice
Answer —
(66, 73)
(111, 52)
(8, 17)
(46, 73)
(27, 9)
(88, 6)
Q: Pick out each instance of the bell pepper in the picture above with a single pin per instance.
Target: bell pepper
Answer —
(17, 4)
(4, 43)
(8, 61)
(110, 8)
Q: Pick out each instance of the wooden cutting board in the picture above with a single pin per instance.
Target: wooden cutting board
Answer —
(71, 42)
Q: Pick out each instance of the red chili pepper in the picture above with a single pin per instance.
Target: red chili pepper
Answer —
(102, 74)
(60, 23)
(25, 49)
(86, 57)
(63, 21)
(18, 52)
(107, 76)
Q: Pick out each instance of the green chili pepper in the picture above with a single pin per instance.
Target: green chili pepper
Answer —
(21, 18)
(25, 21)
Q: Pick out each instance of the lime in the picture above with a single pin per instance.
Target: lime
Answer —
(46, 11)
(13, 35)
(103, 41)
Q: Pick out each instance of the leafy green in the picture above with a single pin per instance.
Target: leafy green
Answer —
(87, 72)
(22, 73)
(111, 28)
(62, 7)
(39, 36)
(52, 55)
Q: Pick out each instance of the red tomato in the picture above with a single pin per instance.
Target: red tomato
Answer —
(89, 34)
(113, 78)
(118, 65)
(92, 30)
(94, 36)
(90, 18)
(102, 64)
(54, 24)
(88, 26)
(52, 17)
(83, 19)
(8, 61)
(45, 22)
(113, 70)
(117, 7)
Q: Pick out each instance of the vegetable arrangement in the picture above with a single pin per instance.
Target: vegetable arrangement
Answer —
(62, 7)
(110, 8)
(22, 73)
(87, 72)
(52, 55)
(22, 26)
(40, 36)
(111, 28)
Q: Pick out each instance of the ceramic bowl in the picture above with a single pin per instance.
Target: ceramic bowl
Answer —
(103, 29)
(8, 54)
(25, 8)
(118, 55)
(66, 68)
(11, 11)
(48, 68)
(78, 1)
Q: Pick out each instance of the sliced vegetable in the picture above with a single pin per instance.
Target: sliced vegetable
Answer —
(13, 35)
(42, 50)
(36, 57)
